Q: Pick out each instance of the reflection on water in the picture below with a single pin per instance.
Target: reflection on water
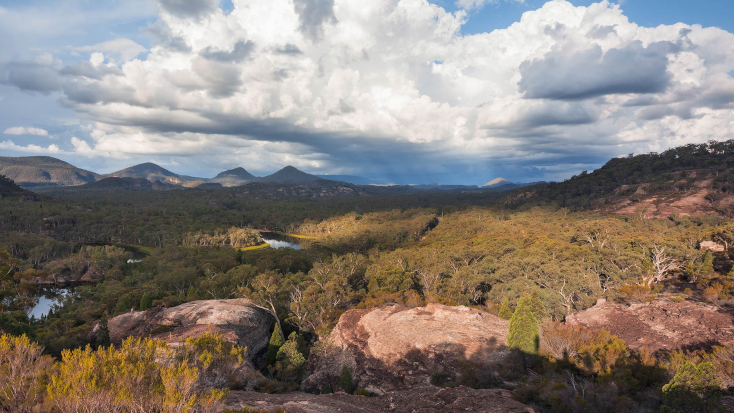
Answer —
(280, 241)
(47, 298)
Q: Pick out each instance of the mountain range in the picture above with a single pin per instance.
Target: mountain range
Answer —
(36, 171)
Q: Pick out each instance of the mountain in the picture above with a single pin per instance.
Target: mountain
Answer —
(290, 174)
(696, 179)
(30, 171)
(497, 182)
(153, 172)
(234, 177)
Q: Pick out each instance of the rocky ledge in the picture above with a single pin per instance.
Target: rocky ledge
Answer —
(659, 325)
(425, 400)
(392, 348)
(237, 320)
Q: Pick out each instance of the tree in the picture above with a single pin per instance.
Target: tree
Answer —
(536, 303)
(263, 292)
(103, 334)
(524, 333)
(146, 301)
(505, 310)
(290, 361)
(345, 380)
(276, 341)
(694, 388)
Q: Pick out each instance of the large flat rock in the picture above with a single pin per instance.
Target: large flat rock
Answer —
(659, 325)
(237, 320)
(395, 347)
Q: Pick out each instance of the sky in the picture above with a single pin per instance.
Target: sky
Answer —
(404, 91)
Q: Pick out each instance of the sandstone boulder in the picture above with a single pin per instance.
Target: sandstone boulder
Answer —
(394, 347)
(424, 400)
(659, 325)
(237, 320)
(712, 246)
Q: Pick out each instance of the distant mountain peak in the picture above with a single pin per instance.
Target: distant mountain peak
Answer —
(238, 172)
(290, 174)
(497, 182)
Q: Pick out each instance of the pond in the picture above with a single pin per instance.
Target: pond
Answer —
(280, 240)
(47, 299)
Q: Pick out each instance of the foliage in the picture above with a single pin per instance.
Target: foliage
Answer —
(289, 364)
(276, 341)
(694, 388)
(505, 310)
(345, 380)
(524, 330)
(23, 372)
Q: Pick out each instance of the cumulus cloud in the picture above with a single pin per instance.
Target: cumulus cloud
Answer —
(189, 8)
(565, 75)
(11, 146)
(478, 4)
(19, 130)
(312, 15)
(120, 49)
(393, 89)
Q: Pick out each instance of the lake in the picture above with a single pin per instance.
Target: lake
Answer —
(280, 241)
(47, 298)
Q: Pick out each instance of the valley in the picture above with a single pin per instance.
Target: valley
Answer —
(593, 294)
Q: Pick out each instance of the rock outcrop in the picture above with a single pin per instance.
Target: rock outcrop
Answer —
(391, 348)
(659, 325)
(237, 320)
(424, 400)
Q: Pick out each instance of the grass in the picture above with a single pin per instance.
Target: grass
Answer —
(256, 247)
(142, 249)
(302, 236)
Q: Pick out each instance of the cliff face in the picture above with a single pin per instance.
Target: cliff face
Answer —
(391, 348)
(237, 320)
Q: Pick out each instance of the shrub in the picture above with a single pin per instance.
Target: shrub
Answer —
(22, 373)
(505, 310)
(345, 380)
(694, 388)
(524, 332)
(635, 293)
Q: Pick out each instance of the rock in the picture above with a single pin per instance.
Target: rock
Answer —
(425, 400)
(390, 348)
(712, 246)
(237, 320)
(659, 325)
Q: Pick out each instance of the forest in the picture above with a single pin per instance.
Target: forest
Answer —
(534, 263)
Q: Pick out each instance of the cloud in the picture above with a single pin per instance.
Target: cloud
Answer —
(393, 89)
(19, 130)
(590, 73)
(239, 53)
(120, 49)
(50, 149)
(478, 4)
(312, 15)
(187, 9)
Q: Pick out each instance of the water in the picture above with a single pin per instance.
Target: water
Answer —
(280, 241)
(47, 299)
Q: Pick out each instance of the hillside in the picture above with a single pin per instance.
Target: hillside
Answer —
(234, 177)
(696, 179)
(153, 172)
(290, 174)
(30, 171)
(127, 184)
(8, 187)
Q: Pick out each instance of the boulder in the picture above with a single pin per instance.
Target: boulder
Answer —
(659, 325)
(425, 400)
(390, 348)
(237, 320)
(712, 246)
